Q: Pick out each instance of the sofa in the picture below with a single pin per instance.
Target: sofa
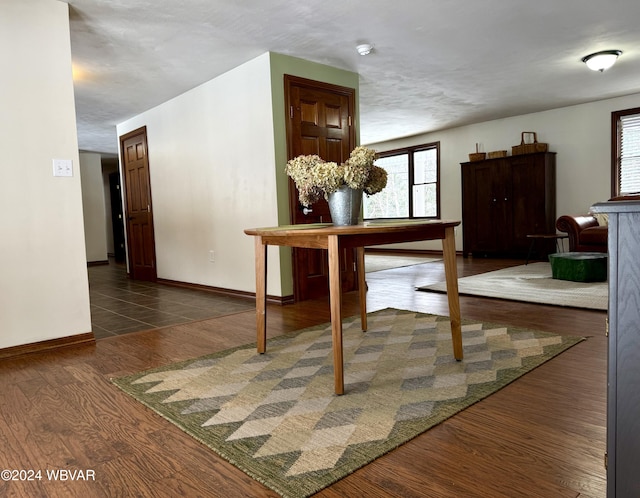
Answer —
(588, 232)
(585, 233)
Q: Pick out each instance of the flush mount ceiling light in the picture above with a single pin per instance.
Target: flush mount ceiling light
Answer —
(601, 60)
(364, 49)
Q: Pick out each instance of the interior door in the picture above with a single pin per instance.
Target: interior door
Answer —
(139, 214)
(117, 218)
(319, 122)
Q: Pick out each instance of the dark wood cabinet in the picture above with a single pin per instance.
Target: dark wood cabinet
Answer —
(623, 375)
(506, 199)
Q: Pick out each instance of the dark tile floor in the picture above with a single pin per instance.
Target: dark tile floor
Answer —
(120, 305)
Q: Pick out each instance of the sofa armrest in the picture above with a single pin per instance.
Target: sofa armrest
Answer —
(573, 225)
(567, 223)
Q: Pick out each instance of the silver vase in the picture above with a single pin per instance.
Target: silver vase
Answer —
(344, 206)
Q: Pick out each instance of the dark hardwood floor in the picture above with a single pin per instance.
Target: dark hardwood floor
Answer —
(541, 436)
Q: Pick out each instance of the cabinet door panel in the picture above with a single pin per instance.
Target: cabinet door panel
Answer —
(485, 212)
(485, 208)
(527, 180)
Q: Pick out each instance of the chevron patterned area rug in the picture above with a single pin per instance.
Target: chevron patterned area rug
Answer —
(276, 417)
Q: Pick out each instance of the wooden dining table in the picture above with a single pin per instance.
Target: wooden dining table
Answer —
(337, 238)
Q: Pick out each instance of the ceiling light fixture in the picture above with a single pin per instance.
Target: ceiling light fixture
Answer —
(364, 49)
(601, 60)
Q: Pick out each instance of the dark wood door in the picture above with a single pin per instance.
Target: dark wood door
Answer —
(139, 214)
(117, 218)
(319, 122)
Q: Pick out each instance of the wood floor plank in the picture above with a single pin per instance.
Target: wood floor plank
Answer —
(541, 436)
(206, 470)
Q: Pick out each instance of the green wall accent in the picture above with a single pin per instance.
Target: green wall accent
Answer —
(281, 65)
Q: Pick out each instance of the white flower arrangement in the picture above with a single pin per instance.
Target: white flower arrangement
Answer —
(316, 178)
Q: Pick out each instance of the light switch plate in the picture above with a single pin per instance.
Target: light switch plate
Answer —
(62, 167)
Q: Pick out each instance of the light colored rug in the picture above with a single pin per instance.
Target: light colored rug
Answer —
(531, 283)
(276, 417)
(378, 262)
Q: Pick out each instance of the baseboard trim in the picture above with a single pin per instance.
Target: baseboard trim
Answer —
(38, 347)
(98, 263)
(403, 252)
(281, 300)
(226, 292)
(407, 252)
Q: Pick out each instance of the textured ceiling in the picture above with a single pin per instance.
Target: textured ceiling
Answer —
(435, 64)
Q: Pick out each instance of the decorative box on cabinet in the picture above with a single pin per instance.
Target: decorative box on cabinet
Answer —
(506, 199)
(623, 371)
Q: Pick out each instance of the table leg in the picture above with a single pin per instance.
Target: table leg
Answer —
(335, 298)
(261, 294)
(530, 252)
(362, 287)
(451, 274)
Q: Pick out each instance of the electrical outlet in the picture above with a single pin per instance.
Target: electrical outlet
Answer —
(211, 256)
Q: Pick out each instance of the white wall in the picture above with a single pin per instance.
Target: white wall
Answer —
(212, 166)
(93, 206)
(44, 290)
(580, 135)
(216, 157)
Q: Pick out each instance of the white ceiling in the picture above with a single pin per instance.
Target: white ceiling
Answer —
(436, 63)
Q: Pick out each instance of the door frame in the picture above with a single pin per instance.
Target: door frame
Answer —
(117, 217)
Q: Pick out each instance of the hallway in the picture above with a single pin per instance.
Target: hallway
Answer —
(120, 305)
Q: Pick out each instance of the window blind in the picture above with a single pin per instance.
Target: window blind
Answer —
(629, 177)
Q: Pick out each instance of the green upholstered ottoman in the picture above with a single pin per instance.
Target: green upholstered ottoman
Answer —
(579, 266)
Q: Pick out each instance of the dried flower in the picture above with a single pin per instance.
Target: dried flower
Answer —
(377, 180)
(316, 178)
(362, 157)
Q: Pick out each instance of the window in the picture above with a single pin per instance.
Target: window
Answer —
(413, 184)
(625, 164)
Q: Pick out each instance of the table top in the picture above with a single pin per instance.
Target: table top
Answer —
(579, 256)
(362, 228)
(548, 236)
(631, 205)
